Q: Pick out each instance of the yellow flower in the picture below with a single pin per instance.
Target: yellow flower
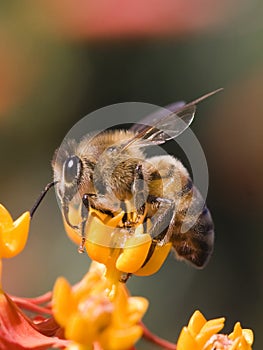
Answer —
(98, 310)
(17, 330)
(13, 234)
(98, 313)
(130, 255)
(201, 334)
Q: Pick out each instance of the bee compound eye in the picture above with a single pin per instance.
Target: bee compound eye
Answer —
(72, 167)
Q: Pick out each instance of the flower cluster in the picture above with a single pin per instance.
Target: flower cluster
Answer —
(97, 310)
(201, 334)
(97, 313)
(128, 259)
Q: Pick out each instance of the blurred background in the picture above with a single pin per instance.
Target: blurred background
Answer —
(60, 60)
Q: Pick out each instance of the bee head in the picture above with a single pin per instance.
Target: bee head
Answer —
(71, 176)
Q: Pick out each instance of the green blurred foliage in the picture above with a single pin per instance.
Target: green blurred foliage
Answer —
(60, 81)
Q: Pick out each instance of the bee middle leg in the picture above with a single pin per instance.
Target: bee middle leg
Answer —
(139, 190)
(162, 218)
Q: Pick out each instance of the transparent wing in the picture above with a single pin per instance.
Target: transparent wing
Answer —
(170, 126)
(153, 118)
(165, 124)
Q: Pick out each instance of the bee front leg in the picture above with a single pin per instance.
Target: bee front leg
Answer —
(84, 217)
(163, 217)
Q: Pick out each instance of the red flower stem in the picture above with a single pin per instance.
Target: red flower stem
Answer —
(41, 299)
(37, 300)
(165, 344)
(25, 304)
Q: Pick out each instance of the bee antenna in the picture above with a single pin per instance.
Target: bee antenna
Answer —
(41, 197)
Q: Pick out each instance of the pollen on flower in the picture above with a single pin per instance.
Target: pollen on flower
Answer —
(97, 311)
(201, 334)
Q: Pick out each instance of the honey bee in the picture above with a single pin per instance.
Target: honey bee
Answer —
(110, 173)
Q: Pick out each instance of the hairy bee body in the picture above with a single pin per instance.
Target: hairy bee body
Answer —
(196, 243)
(109, 173)
(114, 178)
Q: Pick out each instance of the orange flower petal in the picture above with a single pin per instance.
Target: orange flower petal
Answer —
(156, 261)
(63, 303)
(120, 339)
(99, 233)
(13, 235)
(186, 340)
(134, 253)
(237, 332)
(137, 306)
(248, 335)
(80, 330)
(210, 328)
(98, 252)
(196, 322)
(5, 218)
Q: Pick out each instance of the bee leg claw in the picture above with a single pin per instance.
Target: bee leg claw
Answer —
(124, 277)
(81, 248)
